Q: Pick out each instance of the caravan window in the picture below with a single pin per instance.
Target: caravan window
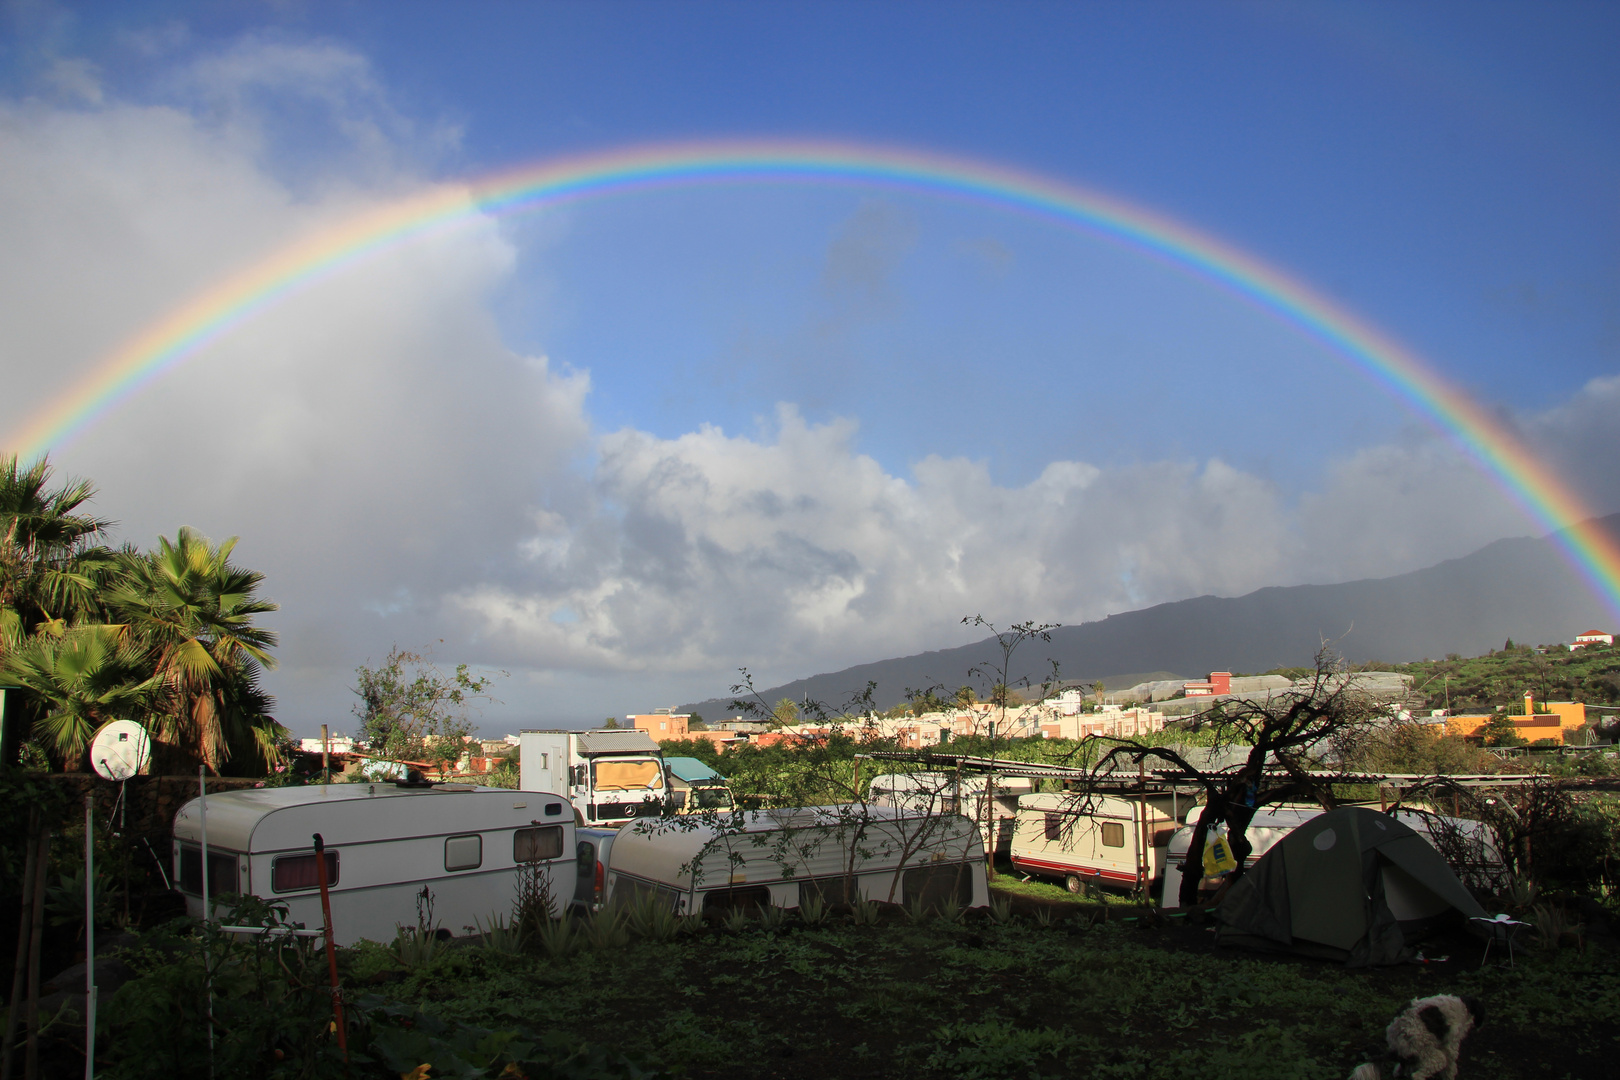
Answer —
(463, 852)
(937, 882)
(642, 774)
(222, 871)
(833, 891)
(537, 845)
(291, 873)
(1054, 826)
(1113, 834)
(737, 896)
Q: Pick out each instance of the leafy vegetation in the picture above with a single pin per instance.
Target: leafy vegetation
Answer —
(1502, 677)
(166, 638)
(409, 710)
(954, 995)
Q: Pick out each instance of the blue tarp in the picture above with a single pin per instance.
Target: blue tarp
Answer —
(690, 769)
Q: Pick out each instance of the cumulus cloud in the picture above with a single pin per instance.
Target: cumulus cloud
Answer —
(402, 474)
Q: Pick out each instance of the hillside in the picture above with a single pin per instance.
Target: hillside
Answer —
(1523, 589)
(1503, 676)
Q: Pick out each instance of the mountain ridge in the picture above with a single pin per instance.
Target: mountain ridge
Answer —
(1521, 588)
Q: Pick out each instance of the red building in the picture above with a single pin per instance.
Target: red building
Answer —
(1219, 682)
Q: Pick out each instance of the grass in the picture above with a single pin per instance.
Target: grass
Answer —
(1012, 883)
(1011, 999)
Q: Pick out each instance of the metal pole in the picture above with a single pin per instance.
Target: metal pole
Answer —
(36, 936)
(326, 758)
(20, 973)
(331, 950)
(202, 814)
(89, 937)
(1142, 829)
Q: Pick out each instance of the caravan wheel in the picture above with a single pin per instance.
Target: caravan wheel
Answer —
(1075, 884)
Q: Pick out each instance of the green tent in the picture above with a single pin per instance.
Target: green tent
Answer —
(1352, 885)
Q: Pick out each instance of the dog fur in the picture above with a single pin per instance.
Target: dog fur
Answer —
(1425, 1039)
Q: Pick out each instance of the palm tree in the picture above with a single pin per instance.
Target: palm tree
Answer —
(80, 680)
(194, 612)
(49, 570)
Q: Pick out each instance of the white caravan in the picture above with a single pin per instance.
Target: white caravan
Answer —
(758, 858)
(1272, 823)
(946, 793)
(612, 775)
(385, 843)
(1100, 841)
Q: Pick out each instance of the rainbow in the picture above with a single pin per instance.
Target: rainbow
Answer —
(188, 329)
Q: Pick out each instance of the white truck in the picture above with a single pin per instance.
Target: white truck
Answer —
(611, 775)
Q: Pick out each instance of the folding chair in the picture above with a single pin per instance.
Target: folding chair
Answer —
(1502, 928)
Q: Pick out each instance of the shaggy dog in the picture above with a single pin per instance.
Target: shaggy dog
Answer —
(1425, 1039)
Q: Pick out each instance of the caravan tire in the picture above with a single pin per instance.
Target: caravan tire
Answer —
(1075, 884)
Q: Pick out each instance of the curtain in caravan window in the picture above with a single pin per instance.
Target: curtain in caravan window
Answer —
(537, 845)
(1113, 834)
(1054, 826)
(290, 873)
(222, 872)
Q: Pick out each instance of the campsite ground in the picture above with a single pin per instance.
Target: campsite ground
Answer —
(1059, 990)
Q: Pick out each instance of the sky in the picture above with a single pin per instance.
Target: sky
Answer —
(621, 448)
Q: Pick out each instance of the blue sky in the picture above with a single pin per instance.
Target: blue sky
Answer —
(630, 400)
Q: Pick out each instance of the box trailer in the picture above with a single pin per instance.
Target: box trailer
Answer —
(781, 857)
(1097, 841)
(611, 775)
(385, 843)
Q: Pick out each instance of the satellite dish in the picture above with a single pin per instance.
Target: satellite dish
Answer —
(120, 750)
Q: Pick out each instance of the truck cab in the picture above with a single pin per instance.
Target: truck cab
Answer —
(611, 775)
(696, 788)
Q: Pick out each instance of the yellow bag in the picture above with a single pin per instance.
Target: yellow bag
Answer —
(1218, 857)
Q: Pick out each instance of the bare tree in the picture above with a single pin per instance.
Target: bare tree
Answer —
(998, 673)
(1280, 737)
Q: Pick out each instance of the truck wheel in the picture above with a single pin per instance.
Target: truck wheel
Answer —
(1075, 884)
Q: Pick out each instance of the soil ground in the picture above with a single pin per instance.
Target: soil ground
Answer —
(1059, 990)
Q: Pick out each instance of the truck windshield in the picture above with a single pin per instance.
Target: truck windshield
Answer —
(639, 774)
(711, 798)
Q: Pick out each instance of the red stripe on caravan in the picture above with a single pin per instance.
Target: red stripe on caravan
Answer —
(1061, 870)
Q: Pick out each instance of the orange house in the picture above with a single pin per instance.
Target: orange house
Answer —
(661, 725)
(1558, 722)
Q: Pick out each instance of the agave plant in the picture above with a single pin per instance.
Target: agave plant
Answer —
(416, 947)
(651, 917)
(813, 910)
(951, 910)
(499, 936)
(865, 913)
(771, 917)
(557, 937)
(606, 930)
(1001, 909)
(737, 920)
(917, 911)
